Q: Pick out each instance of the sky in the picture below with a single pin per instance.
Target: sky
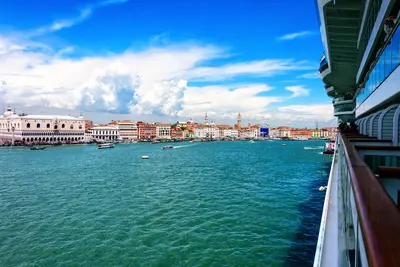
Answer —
(159, 60)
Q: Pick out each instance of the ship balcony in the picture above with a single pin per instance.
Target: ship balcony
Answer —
(360, 219)
(346, 108)
(324, 69)
(330, 90)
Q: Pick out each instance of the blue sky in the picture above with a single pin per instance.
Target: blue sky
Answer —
(164, 60)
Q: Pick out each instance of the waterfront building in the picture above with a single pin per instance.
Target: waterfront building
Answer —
(249, 132)
(234, 133)
(284, 131)
(26, 128)
(108, 132)
(327, 132)
(360, 68)
(176, 133)
(188, 132)
(88, 124)
(206, 131)
(127, 130)
(301, 134)
(163, 130)
(146, 131)
(274, 133)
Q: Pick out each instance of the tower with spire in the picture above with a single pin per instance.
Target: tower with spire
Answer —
(239, 121)
(249, 123)
(206, 119)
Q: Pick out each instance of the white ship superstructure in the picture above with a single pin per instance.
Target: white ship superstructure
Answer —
(360, 224)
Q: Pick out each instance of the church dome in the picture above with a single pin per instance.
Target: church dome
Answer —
(8, 112)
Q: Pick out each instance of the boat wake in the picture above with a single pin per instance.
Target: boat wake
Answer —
(176, 147)
(313, 147)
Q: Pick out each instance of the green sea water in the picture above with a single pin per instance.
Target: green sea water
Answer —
(200, 204)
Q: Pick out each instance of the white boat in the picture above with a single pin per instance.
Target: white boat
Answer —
(106, 145)
(145, 157)
(360, 67)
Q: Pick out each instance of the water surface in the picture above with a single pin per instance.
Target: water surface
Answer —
(200, 204)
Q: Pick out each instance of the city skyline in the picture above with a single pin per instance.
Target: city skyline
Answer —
(91, 57)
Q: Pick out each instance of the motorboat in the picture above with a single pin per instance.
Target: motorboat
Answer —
(106, 145)
(329, 148)
(145, 157)
(168, 147)
(37, 148)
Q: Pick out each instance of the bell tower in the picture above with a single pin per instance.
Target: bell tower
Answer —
(239, 121)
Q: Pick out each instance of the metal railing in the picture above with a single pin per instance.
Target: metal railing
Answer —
(368, 220)
(371, 219)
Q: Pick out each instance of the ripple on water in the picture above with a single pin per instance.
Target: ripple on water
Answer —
(209, 204)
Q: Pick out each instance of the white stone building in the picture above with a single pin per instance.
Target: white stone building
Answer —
(274, 133)
(127, 130)
(231, 132)
(40, 128)
(207, 131)
(235, 133)
(105, 133)
(163, 130)
(251, 132)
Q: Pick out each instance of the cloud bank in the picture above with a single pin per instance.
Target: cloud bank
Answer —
(176, 80)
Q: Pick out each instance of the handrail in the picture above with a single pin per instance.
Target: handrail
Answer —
(321, 236)
(378, 215)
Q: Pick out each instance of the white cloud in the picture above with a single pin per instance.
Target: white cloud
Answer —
(83, 15)
(142, 82)
(294, 35)
(311, 75)
(312, 112)
(223, 101)
(297, 90)
(151, 81)
(262, 68)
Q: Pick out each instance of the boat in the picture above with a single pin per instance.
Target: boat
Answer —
(167, 147)
(105, 145)
(329, 148)
(360, 223)
(145, 157)
(283, 144)
(37, 148)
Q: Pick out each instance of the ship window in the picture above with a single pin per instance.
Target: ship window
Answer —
(387, 62)
(28, 125)
(63, 126)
